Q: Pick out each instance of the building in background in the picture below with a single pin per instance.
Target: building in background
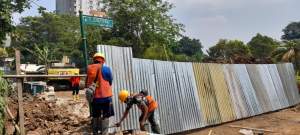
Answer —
(71, 7)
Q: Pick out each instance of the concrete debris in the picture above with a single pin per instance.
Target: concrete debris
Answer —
(246, 132)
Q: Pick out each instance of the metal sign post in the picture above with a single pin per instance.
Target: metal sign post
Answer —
(95, 21)
(84, 42)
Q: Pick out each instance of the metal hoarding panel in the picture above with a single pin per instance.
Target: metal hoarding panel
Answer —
(221, 92)
(248, 89)
(241, 107)
(166, 88)
(207, 97)
(196, 95)
(260, 87)
(289, 83)
(143, 72)
(189, 101)
(278, 85)
(119, 60)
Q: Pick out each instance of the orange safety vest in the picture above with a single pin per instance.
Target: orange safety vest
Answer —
(75, 81)
(103, 89)
(152, 103)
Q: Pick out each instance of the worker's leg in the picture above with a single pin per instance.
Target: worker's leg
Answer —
(77, 92)
(154, 125)
(73, 93)
(142, 127)
(104, 126)
(95, 125)
(96, 113)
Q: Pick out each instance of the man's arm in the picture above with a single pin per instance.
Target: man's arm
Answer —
(124, 116)
(144, 107)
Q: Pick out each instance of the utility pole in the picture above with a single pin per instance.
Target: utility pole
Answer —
(84, 41)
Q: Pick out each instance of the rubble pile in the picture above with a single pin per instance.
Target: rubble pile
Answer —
(45, 117)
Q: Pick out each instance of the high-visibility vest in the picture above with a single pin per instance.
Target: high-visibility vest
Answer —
(152, 104)
(103, 89)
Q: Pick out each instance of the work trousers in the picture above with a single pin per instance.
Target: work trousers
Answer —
(151, 118)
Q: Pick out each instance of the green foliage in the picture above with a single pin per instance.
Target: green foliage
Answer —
(7, 7)
(51, 36)
(157, 52)
(143, 23)
(228, 49)
(3, 52)
(188, 50)
(41, 54)
(288, 52)
(262, 46)
(4, 88)
(291, 31)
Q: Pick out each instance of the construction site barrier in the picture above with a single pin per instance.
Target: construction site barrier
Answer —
(196, 95)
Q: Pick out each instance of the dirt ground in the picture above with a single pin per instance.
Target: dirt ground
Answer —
(284, 122)
(64, 116)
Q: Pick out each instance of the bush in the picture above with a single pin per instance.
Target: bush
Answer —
(4, 88)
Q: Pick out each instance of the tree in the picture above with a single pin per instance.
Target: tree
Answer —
(228, 49)
(3, 52)
(143, 23)
(7, 7)
(291, 31)
(262, 46)
(60, 34)
(192, 48)
(288, 52)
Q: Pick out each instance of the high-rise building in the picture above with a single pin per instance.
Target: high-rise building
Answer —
(72, 7)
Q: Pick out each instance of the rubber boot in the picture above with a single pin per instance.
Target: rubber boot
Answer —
(104, 126)
(77, 97)
(74, 97)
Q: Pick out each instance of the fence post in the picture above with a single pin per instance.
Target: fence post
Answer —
(20, 93)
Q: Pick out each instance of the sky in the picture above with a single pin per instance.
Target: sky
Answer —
(211, 20)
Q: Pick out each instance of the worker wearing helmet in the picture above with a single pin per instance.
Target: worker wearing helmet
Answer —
(101, 104)
(145, 103)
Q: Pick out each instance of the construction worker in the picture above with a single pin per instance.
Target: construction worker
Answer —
(101, 105)
(145, 103)
(75, 86)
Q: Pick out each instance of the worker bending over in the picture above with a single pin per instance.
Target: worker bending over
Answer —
(145, 103)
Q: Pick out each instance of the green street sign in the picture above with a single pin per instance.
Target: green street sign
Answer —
(97, 21)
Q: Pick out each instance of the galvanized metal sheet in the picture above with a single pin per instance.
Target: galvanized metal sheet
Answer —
(247, 88)
(166, 88)
(278, 85)
(207, 97)
(263, 94)
(240, 105)
(222, 93)
(123, 78)
(287, 73)
(189, 101)
(196, 95)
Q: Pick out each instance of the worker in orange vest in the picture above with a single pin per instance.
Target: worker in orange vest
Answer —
(101, 105)
(145, 103)
(75, 86)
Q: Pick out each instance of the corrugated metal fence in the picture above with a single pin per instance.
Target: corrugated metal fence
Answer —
(195, 95)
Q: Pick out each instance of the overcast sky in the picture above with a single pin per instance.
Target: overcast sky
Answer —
(211, 20)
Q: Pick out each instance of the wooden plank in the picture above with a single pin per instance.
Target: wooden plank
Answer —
(257, 129)
(20, 93)
(13, 119)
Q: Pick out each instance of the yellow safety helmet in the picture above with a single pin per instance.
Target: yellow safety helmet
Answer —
(123, 94)
(99, 55)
